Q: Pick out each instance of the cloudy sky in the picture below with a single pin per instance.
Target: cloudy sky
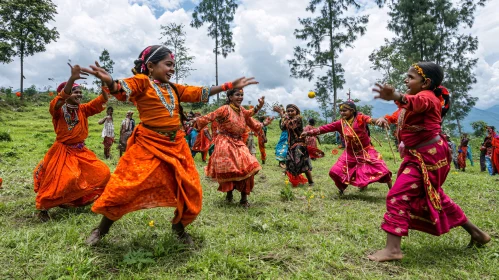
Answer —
(263, 34)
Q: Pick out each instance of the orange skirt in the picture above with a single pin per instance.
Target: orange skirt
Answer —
(154, 172)
(69, 176)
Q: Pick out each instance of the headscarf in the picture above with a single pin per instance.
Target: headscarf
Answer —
(62, 85)
(294, 107)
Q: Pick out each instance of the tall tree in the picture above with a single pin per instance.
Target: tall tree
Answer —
(428, 30)
(218, 14)
(105, 62)
(333, 29)
(174, 35)
(23, 30)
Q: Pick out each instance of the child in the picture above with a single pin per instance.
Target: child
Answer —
(281, 149)
(108, 132)
(157, 170)
(127, 126)
(417, 200)
(70, 175)
(232, 164)
(311, 141)
(360, 164)
(297, 160)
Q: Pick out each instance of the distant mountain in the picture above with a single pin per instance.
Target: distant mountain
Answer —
(490, 115)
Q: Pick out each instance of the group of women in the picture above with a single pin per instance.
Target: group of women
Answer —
(157, 169)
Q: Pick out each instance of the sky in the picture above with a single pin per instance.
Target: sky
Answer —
(264, 39)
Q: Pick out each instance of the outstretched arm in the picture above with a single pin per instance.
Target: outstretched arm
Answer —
(76, 74)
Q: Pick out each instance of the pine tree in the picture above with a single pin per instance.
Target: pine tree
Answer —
(218, 14)
(23, 30)
(334, 29)
(174, 35)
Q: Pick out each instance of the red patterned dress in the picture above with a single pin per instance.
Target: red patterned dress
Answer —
(231, 163)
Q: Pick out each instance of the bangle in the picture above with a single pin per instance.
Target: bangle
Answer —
(227, 86)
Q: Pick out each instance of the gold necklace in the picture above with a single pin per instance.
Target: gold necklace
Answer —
(235, 108)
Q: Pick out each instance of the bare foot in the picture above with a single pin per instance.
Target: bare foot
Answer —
(186, 239)
(386, 255)
(94, 238)
(43, 216)
(479, 239)
(245, 204)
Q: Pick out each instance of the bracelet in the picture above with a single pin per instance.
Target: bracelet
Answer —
(227, 86)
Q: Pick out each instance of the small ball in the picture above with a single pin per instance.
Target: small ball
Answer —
(311, 94)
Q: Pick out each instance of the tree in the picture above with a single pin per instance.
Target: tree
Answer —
(23, 31)
(428, 30)
(311, 114)
(479, 128)
(219, 14)
(330, 28)
(105, 62)
(175, 41)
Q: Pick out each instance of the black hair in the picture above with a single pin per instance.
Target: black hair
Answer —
(155, 54)
(159, 51)
(311, 121)
(352, 105)
(109, 107)
(435, 73)
(231, 92)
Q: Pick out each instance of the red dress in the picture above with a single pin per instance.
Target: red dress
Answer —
(360, 164)
(231, 163)
(311, 142)
(417, 200)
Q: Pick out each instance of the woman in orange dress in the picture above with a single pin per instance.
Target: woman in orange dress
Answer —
(157, 169)
(231, 163)
(70, 175)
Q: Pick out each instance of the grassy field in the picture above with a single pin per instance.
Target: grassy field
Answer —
(322, 237)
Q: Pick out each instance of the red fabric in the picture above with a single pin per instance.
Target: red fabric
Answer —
(231, 160)
(495, 152)
(202, 143)
(461, 158)
(392, 119)
(296, 180)
(420, 119)
(408, 203)
(243, 186)
(311, 142)
(360, 164)
(108, 142)
(154, 172)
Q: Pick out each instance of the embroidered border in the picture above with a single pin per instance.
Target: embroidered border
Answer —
(67, 117)
(125, 87)
(169, 106)
(205, 94)
(441, 163)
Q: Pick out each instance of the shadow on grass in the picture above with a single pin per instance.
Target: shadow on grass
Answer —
(364, 196)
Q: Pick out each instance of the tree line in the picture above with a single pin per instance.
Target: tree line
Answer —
(425, 30)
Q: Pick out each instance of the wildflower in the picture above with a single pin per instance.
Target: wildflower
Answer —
(151, 223)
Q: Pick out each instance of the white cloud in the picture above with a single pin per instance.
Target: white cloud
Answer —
(263, 33)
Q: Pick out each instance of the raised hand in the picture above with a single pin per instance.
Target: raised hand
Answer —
(277, 109)
(243, 81)
(303, 134)
(261, 101)
(76, 72)
(386, 92)
(381, 122)
(100, 73)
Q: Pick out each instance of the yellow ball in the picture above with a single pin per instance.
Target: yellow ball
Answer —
(311, 94)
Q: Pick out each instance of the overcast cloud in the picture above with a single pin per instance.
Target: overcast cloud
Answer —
(263, 34)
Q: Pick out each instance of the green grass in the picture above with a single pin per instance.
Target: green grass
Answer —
(274, 239)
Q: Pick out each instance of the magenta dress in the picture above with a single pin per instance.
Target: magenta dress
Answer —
(360, 164)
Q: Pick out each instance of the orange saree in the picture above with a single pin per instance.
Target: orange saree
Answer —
(157, 169)
(70, 175)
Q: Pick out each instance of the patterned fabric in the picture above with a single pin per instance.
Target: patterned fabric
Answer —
(127, 126)
(70, 116)
(410, 203)
(203, 141)
(461, 158)
(231, 160)
(108, 129)
(154, 172)
(281, 149)
(70, 174)
(311, 142)
(297, 158)
(250, 143)
(360, 164)
(157, 104)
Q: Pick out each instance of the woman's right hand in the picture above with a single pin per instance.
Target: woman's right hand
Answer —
(99, 73)
(381, 122)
